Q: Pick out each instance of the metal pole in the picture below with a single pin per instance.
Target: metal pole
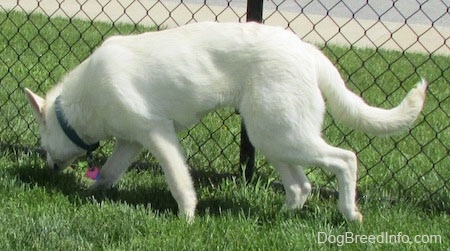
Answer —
(255, 10)
(247, 153)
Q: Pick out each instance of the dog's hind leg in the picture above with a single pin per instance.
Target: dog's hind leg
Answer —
(312, 151)
(343, 164)
(123, 155)
(162, 141)
(296, 184)
(299, 174)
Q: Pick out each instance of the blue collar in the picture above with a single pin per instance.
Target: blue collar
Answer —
(69, 131)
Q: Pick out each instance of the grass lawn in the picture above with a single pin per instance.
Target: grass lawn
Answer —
(46, 211)
(404, 180)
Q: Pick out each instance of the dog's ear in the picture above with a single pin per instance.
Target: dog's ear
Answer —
(37, 103)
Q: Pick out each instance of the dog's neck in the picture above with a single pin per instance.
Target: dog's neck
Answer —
(69, 131)
(77, 103)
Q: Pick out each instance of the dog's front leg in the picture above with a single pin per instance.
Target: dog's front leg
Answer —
(162, 141)
(123, 155)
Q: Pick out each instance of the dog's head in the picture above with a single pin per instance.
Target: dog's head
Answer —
(61, 152)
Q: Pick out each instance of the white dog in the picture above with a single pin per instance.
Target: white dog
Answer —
(142, 89)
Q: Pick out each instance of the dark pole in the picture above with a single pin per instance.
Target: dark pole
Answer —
(247, 157)
(255, 10)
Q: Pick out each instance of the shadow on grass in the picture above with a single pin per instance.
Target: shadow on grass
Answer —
(68, 184)
(154, 196)
(158, 198)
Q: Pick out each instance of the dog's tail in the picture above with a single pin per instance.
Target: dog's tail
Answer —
(351, 109)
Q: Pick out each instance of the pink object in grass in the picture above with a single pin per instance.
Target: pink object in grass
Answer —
(93, 173)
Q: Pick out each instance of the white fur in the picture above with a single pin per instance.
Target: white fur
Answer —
(142, 89)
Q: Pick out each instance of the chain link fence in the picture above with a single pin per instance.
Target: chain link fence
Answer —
(381, 48)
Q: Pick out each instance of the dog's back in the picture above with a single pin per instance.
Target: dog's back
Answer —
(186, 72)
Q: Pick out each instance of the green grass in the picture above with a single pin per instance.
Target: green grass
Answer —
(404, 180)
(46, 211)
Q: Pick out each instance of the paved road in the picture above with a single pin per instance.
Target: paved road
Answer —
(410, 11)
(379, 23)
(375, 23)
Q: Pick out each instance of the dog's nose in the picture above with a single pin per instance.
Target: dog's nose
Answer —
(55, 167)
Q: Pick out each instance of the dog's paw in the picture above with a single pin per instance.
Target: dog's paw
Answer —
(355, 217)
(101, 184)
(351, 213)
(297, 199)
(187, 209)
(188, 217)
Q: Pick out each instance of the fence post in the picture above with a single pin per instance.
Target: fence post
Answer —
(247, 153)
(255, 10)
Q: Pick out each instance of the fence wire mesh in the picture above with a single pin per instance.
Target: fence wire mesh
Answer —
(374, 44)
